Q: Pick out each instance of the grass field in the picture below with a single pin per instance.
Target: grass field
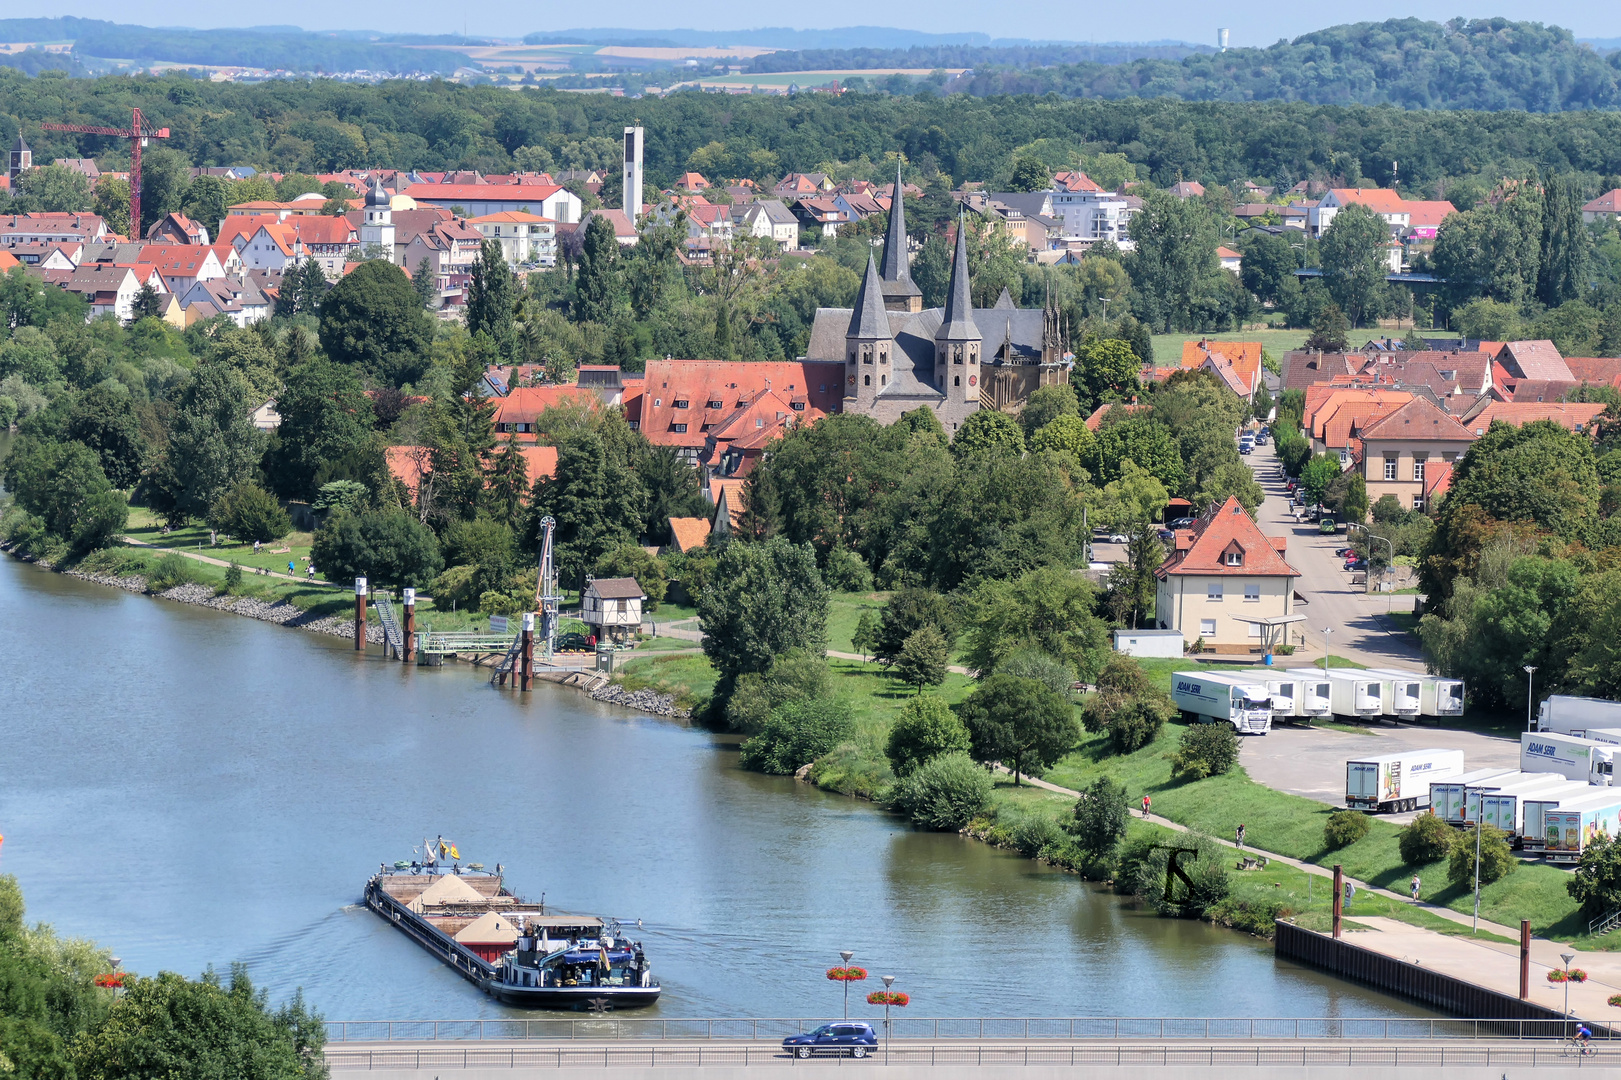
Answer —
(147, 527)
(1168, 347)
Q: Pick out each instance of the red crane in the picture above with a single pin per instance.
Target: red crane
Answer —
(137, 133)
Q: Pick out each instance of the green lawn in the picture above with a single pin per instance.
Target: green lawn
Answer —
(844, 610)
(318, 598)
(146, 527)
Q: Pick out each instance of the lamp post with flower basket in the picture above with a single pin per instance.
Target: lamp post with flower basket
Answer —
(846, 975)
(887, 997)
(1567, 976)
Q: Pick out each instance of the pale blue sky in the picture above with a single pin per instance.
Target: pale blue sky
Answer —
(1187, 20)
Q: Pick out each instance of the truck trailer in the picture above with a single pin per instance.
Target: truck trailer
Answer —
(1571, 828)
(1502, 809)
(1571, 757)
(1437, 696)
(1316, 697)
(1351, 693)
(1209, 697)
(1400, 781)
(1571, 715)
(1448, 798)
(1534, 819)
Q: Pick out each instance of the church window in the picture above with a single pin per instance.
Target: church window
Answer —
(883, 380)
(956, 354)
(956, 380)
(866, 380)
(866, 354)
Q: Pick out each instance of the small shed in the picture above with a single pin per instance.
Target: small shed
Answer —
(1149, 642)
(612, 607)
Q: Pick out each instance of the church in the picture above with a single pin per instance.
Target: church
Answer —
(954, 360)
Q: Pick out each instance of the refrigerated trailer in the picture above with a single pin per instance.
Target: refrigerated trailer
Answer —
(1315, 698)
(1281, 693)
(1571, 828)
(1209, 698)
(1400, 781)
(1514, 783)
(1350, 694)
(1502, 809)
(1437, 696)
(1569, 756)
(1534, 819)
(1573, 715)
(1447, 797)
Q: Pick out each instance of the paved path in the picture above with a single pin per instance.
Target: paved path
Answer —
(248, 570)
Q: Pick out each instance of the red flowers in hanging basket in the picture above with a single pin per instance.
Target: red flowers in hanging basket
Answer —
(889, 997)
(846, 974)
(112, 980)
(1575, 975)
(1615, 999)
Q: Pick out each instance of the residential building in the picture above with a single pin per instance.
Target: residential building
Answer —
(624, 231)
(516, 413)
(1606, 207)
(1397, 449)
(1226, 585)
(612, 607)
(525, 239)
(477, 200)
(270, 245)
(449, 244)
(1424, 218)
(1388, 204)
(182, 265)
(858, 206)
(237, 297)
(692, 183)
(1187, 189)
(1092, 214)
(820, 215)
(1241, 358)
(1229, 259)
(330, 241)
(303, 206)
(50, 228)
(1533, 360)
(111, 290)
(1577, 416)
(176, 228)
(803, 185)
(265, 417)
(702, 407)
(769, 218)
(85, 167)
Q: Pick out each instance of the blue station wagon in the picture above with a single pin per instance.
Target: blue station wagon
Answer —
(844, 1037)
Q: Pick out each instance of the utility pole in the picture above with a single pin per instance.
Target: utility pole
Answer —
(1530, 696)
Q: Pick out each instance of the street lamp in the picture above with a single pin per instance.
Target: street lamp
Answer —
(1384, 574)
(889, 981)
(1567, 958)
(1530, 672)
(1327, 630)
(846, 975)
(1480, 814)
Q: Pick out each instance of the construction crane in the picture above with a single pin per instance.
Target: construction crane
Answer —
(547, 600)
(137, 133)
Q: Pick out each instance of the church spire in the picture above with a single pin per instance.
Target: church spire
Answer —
(868, 321)
(868, 342)
(957, 321)
(900, 293)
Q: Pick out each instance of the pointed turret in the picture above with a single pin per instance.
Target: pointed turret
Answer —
(957, 343)
(1004, 302)
(900, 292)
(869, 341)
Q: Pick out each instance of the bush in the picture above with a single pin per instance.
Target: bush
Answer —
(1596, 883)
(453, 589)
(798, 733)
(797, 675)
(233, 577)
(171, 570)
(923, 658)
(1496, 860)
(8, 410)
(1127, 706)
(1426, 839)
(945, 792)
(1100, 820)
(493, 602)
(249, 512)
(1037, 835)
(846, 572)
(1344, 828)
(925, 729)
(1205, 750)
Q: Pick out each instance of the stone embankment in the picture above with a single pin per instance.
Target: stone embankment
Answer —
(644, 701)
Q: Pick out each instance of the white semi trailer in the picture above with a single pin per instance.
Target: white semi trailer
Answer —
(1400, 781)
(1570, 715)
(1534, 818)
(1247, 706)
(1571, 757)
(1436, 696)
(1316, 697)
(1283, 693)
(1448, 797)
(1502, 809)
(1350, 692)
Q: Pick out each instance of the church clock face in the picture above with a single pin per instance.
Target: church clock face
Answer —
(852, 380)
(973, 380)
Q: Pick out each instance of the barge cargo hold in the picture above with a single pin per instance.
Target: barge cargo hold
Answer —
(510, 949)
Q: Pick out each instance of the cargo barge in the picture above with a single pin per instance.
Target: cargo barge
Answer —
(509, 948)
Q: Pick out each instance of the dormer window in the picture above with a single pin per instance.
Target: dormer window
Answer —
(1235, 558)
(680, 403)
(716, 403)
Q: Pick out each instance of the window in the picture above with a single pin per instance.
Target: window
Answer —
(1390, 468)
(1449, 455)
(716, 403)
(1212, 590)
(657, 402)
(1418, 502)
(956, 380)
(1207, 627)
(1345, 455)
(1252, 590)
(1418, 466)
(799, 406)
(680, 403)
(679, 429)
(1255, 629)
(759, 421)
(866, 380)
(1235, 558)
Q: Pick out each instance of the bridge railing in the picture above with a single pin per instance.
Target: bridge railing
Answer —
(723, 1029)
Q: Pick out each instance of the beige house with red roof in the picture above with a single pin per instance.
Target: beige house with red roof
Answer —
(1398, 447)
(1382, 201)
(1227, 584)
(702, 407)
(1606, 206)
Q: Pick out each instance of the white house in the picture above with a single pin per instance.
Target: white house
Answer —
(183, 265)
(612, 607)
(238, 298)
(112, 289)
(770, 218)
(1092, 216)
(1382, 201)
(525, 239)
(476, 200)
(1226, 584)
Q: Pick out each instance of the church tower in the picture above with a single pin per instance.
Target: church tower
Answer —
(957, 343)
(900, 292)
(22, 159)
(868, 343)
(377, 230)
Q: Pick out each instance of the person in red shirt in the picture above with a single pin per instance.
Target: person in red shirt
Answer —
(1147, 802)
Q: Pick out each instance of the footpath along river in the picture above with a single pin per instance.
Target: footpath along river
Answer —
(192, 788)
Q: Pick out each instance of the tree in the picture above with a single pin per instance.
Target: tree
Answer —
(1174, 263)
(1352, 251)
(1496, 860)
(595, 498)
(389, 548)
(1205, 750)
(797, 733)
(1596, 883)
(203, 1029)
(923, 658)
(373, 320)
(865, 635)
(147, 304)
(249, 512)
(672, 490)
(596, 284)
(1566, 251)
(490, 296)
(1019, 722)
(1355, 505)
(1048, 609)
(508, 484)
(1427, 839)
(1269, 262)
(945, 792)
(1329, 332)
(796, 675)
(988, 432)
(1045, 405)
(909, 610)
(1105, 370)
(1319, 472)
(325, 418)
(925, 729)
(1029, 174)
(1142, 440)
(1100, 817)
(212, 443)
(52, 189)
(1066, 434)
(62, 484)
(425, 283)
(110, 202)
(765, 599)
(1126, 706)
(106, 420)
(633, 561)
(1344, 828)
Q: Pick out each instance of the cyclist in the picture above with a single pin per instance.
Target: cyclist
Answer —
(1583, 1037)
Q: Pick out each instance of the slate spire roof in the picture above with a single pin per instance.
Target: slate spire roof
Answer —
(897, 271)
(957, 321)
(868, 319)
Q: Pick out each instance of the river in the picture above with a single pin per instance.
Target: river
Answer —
(192, 788)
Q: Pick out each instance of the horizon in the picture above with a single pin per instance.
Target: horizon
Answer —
(1251, 25)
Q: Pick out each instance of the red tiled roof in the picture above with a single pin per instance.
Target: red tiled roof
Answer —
(481, 192)
(1569, 415)
(737, 385)
(1095, 421)
(1607, 203)
(1427, 213)
(323, 230)
(1533, 360)
(1437, 480)
(1379, 200)
(1214, 534)
(524, 404)
(687, 533)
(1599, 370)
(1419, 419)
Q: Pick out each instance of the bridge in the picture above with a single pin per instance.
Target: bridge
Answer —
(442, 644)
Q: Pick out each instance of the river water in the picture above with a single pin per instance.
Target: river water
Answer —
(192, 788)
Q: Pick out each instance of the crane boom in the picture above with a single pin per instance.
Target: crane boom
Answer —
(137, 133)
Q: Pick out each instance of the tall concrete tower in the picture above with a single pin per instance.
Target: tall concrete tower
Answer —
(22, 159)
(377, 230)
(633, 173)
(1221, 39)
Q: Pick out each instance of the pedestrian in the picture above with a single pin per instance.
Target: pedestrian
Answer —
(256, 547)
(291, 569)
(1415, 888)
(309, 571)
(1241, 836)
(1147, 802)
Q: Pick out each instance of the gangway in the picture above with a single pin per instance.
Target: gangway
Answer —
(443, 643)
(393, 638)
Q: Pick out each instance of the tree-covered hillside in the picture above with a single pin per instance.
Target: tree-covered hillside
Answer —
(1463, 64)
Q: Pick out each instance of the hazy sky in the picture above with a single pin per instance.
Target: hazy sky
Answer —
(1186, 20)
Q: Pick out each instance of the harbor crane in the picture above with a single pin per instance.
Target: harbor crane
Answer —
(547, 599)
(138, 132)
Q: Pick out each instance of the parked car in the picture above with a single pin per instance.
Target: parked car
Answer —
(1182, 523)
(1356, 563)
(572, 641)
(1166, 534)
(1119, 538)
(1245, 448)
(1344, 552)
(845, 1037)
